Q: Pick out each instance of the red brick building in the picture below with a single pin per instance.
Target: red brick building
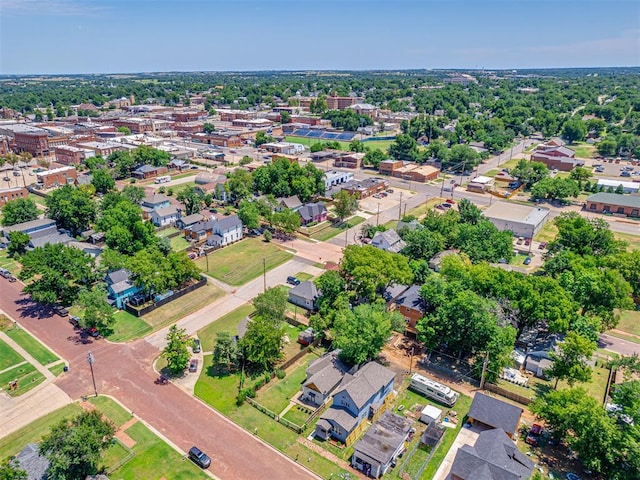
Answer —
(135, 125)
(341, 103)
(190, 116)
(220, 139)
(349, 160)
(57, 177)
(36, 143)
(70, 155)
(9, 194)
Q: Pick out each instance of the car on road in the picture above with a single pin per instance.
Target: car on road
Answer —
(389, 190)
(193, 365)
(196, 346)
(192, 255)
(572, 476)
(7, 274)
(376, 195)
(198, 457)
(293, 280)
(60, 310)
(75, 321)
(527, 260)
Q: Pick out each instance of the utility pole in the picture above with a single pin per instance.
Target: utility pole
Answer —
(346, 233)
(411, 361)
(400, 208)
(378, 215)
(90, 359)
(484, 370)
(264, 273)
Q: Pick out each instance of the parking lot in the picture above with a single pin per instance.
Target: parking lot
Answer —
(390, 199)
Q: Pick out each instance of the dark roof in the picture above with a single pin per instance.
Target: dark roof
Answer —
(203, 226)
(366, 382)
(39, 223)
(155, 199)
(229, 223)
(120, 287)
(495, 413)
(340, 417)
(411, 299)
(165, 211)
(191, 219)
(493, 457)
(310, 210)
(326, 372)
(53, 237)
(30, 460)
(306, 290)
(146, 169)
(384, 437)
(632, 201)
(393, 291)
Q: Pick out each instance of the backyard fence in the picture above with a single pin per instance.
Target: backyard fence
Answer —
(262, 408)
(129, 456)
(296, 428)
(300, 354)
(139, 312)
(507, 394)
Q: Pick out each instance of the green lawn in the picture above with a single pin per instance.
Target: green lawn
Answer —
(297, 415)
(228, 323)
(276, 395)
(379, 144)
(178, 243)
(333, 230)
(628, 338)
(8, 263)
(118, 415)
(26, 374)
(632, 240)
(8, 356)
(303, 277)
(243, 261)
(547, 233)
(218, 390)
(310, 141)
(517, 260)
(116, 454)
(583, 149)
(16, 441)
(57, 369)
(629, 322)
(37, 198)
(183, 306)
(127, 327)
(38, 351)
(166, 232)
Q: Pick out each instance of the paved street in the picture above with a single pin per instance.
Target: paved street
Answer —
(124, 371)
(618, 345)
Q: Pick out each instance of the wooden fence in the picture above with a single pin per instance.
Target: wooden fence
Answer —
(507, 394)
(300, 354)
(139, 312)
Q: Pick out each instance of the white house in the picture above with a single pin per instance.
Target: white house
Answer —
(388, 240)
(226, 231)
(165, 216)
(335, 177)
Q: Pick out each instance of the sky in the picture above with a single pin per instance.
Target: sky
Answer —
(125, 36)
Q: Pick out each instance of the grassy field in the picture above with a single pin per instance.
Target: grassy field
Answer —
(8, 356)
(127, 327)
(629, 322)
(38, 351)
(166, 232)
(303, 277)
(178, 243)
(16, 441)
(228, 323)
(297, 415)
(333, 230)
(218, 390)
(8, 263)
(276, 395)
(310, 141)
(632, 240)
(243, 261)
(583, 149)
(547, 233)
(57, 369)
(26, 374)
(183, 306)
(118, 415)
(37, 199)
(379, 144)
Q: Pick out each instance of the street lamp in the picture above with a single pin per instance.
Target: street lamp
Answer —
(90, 360)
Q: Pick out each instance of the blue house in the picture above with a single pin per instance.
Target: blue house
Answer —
(120, 287)
(363, 396)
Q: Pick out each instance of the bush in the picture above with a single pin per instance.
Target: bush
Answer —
(132, 180)
(267, 236)
(162, 190)
(170, 191)
(280, 373)
(267, 377)
(311, 224)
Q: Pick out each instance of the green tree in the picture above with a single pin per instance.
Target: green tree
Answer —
(122, 223)
(97, 313)
(362, 332)
(529, 173)
(574, 130)
(330, 285)
(75, 447)
(133, 193)
(10, 471)
(57, 273)
(176, 352)
(484, 242)
(556, 188)
(580, 174)
(469, 213)
(18, 242)
(122, 162)
(102, 180)
(72, 208)
(272, 303)
(208, 127)
(374, 157)
(422, 244)
(239, 185)
(607, 147)
(286, 221)
(357, 146)
(584, 236)
(262, 138)
(570, 362)
(249, 214)
(345, 204)
(19, 210)
(261, 345)
(404, 148)
(225, 352)
(146, 155)
(124, 130)
(285, 117)
(191, 199)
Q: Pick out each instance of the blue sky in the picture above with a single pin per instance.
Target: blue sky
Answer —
(109, 36)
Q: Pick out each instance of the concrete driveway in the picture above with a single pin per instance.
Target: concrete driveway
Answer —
(466, 436)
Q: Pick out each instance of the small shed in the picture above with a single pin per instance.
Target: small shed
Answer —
(306, 337)
(430, 414)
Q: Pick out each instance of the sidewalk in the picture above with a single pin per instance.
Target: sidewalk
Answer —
(43, 370)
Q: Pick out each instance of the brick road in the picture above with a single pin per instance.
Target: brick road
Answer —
(124, 371)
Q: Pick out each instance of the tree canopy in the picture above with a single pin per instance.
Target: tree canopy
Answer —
(19, 210)
(73, 208)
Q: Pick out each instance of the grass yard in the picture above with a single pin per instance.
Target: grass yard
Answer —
(243, 261)
(118, 415)
(628, 338)
(178, 243)
(183, 306)
(632, 240)
(517, 260)
(57, 369)
(217, 390)
(331, 231)
(379, 144)
(629, 322)
(297, 415)
(583, 149)
(16, 441)
(228, 323)
(310, 141)
(166, 232)
(26, 374)
(547, 233)
(37, 199)
(38, 351)
(127, 327)
(277, 393)
(303, 277)
(8, 263)
(8, 356)
(116, 454)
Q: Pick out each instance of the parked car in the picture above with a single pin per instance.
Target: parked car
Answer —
(527, 260)
(198, 457)
(196, 346)
(520, 240)
(293, 280)
(389, 190)
(75, 321)
(542, 245)
(450, 200)
(60, 310)
(625, 174)
(6, 179)
(193, 365)
(534, 436)
(527, 241)
(93, 332)
(446, 205)
(137, 300)
(7, 274)
(16, 173)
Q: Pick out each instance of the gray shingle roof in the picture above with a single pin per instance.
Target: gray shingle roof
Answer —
(229, 223)
(384, 437)
(495, 413)
(340, 417)
(290, 202)
(326, 372)
(118, 276)
(30, 460)
(166, 211)
(39, 223)
(52, 238)
(191, 219)
(411, 299)
(632, 201)
(363, 384)
(306, 290)
(310, 210)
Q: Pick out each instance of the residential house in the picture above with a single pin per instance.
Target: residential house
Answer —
(154, 202)
(537, 357)
(323, 377)
(494, 456)
(200, 230)
(120, 287)
(304, 295)
(436, 260)
(165, 216)
(389, 240)
(225, 231)
(32, 462)
(148, 171)
(188, 221)
(207, 183)
(360, 397)
(381, 445)
(312, 212)
(292, 203)
(33, 227)
(494, 413)
(51, 237)
(411, 306)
